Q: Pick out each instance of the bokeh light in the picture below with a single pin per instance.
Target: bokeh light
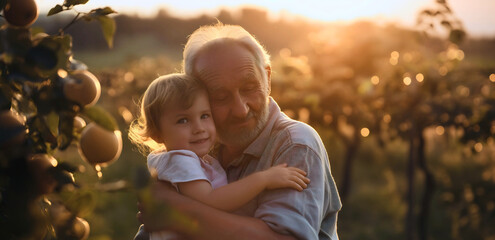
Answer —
(375, 80)
(126, 114)
(455, 54)
(394, 54)
(443, 70)
(420, 77)
(327, 118)
(128, 77)
(407, 81)
(439, 130)
(492, 77)
(304, 114)
(387, 118)
(394, 58)
(365, 132)
(478, 147)
(285, 53)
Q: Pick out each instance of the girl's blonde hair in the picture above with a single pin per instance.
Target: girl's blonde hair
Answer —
(172, 90)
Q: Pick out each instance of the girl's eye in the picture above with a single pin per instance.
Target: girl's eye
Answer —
(182, 121)
(205, 116)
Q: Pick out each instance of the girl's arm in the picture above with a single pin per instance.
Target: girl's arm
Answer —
(238, 193)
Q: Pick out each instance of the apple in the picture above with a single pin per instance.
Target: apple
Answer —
(79, 124)
(9, 122)
(39, 166)
(99, 146)
(82, 87)
(80, 229)
(21, 13)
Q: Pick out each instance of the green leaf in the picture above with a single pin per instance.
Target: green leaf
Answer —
(65, 129)
(102, 11)
(107, 24)
(58, 8)
(80, 200)
(70, 3)
(108, 27)
(42, 127)
(101, 117)
(52, 120)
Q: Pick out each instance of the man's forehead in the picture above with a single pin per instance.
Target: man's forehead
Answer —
(224, 55)
(229, 60)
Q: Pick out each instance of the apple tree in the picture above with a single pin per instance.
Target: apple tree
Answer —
(47, 104)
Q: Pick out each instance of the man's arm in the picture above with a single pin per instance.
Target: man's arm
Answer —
(310, 214)
(202, 221)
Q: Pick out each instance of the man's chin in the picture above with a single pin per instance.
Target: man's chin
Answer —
(241, 135)
(238, 137)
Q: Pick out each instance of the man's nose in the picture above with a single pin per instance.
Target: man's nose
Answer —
(240, 108)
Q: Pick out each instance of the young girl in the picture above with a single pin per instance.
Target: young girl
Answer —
(175, 123)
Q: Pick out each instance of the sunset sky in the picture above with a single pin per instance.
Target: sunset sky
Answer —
(478, 16)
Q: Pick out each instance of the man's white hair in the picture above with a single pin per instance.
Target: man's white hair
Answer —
(207, 34)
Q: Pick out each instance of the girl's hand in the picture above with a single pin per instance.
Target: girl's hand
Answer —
(281, 176)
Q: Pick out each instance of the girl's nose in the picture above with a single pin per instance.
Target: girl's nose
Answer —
(198, 127)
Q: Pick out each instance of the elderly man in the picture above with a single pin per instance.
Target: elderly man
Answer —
(253, 135)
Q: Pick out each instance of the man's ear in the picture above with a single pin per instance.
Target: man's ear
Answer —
(268, 70)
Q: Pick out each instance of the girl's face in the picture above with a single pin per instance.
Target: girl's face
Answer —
(188, 129)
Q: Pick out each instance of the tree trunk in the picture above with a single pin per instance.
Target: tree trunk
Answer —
(351, 150)
(410, 226)
(428, 191)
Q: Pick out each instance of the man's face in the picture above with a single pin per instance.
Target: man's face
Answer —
(238, 92)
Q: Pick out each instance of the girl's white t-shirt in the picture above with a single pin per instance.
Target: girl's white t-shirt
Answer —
(178, 166)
